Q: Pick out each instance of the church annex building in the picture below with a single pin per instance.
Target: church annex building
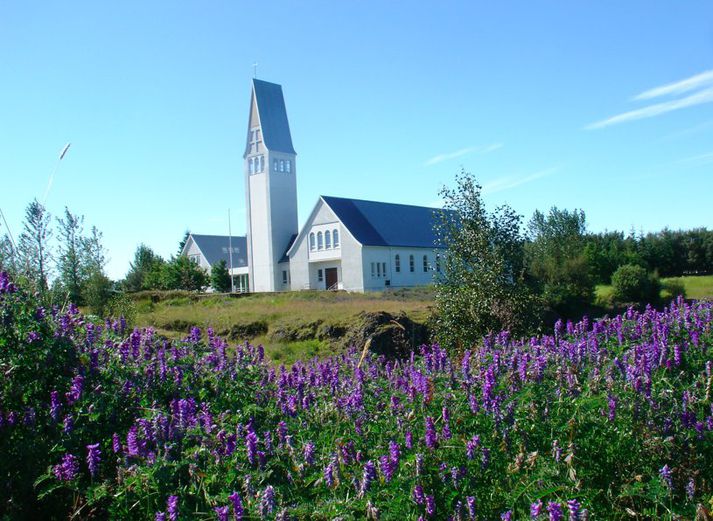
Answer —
(346, 244)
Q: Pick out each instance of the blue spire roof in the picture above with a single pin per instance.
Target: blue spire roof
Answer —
(386, 224)
(273, 116)
(215, 248)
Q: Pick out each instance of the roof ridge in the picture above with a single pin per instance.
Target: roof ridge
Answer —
(380, 202)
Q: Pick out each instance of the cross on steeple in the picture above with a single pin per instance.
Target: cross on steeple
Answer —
(255, 70)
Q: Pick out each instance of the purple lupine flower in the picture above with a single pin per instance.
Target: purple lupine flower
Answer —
(237, 506)
(329, 474)
(68, 469)
(536, 509)
(394, 453)
(68, 424)
(387, 467)
(132, 441)
(418, 496)
(408, 440)
(485, 458)
(308, 453)
(55, 405)
(430, 505)
(222, 513)
(267, 502)
(690, 489)
(554, 509)
(574, 509)
(160, 516)
(115, 443)
(470, 502)
(281, 432)
(471, 445)
(368, 475)
(430, 437)
(612, 408)
(666, 476)
(172, 508)
(506, 516)
(32, 336)
(93, 459)
(75, 391)
(251, 446)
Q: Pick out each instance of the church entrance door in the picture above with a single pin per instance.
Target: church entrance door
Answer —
(331, 278)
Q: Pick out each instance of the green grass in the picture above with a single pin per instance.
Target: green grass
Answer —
(171, 313)
(696, 287)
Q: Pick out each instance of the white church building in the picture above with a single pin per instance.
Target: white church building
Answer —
(347, 244)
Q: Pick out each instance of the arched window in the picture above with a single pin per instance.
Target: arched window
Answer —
(274, 165)
(320, 244)
(251, 165)
(335, 238)
(289, 166)
(311, 241)
(327, 239)
(411, 264)
(282, 165)
(378, 269)
(397, 263)
(425, 263)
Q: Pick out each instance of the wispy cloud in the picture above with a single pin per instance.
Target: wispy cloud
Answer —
(482, 149)
(694, 82)
(508, 182)
(702, 83)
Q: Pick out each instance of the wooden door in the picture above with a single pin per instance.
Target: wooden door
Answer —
(331, 278)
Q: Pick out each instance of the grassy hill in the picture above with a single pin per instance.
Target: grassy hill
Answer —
(289, 325)
(697, 287)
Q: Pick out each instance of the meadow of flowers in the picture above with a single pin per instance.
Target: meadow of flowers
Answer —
(600, 420)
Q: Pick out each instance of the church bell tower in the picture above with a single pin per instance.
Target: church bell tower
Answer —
(270, 187)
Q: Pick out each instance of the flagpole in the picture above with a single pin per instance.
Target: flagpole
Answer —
(56, 167)
(230, 254)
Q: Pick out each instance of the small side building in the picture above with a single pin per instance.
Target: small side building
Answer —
(208, 250)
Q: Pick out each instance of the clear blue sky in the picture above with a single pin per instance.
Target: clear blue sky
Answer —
(386, 100)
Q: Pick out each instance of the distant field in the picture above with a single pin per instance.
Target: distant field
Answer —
(172, 314)
(696, 287)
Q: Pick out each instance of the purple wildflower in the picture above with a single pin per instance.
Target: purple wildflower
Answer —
(574, 509)
(267, 502)
(368, 475)
(116, 443)
(430, 505)
(251, 446)
(237, 506)
(430, 437)
(93, 459)
(55, 405)
(222, 513)
(666, 476)
(160, 516)
(506, 516)
(68, 424)
(554, 509)
(536, 509)
(394, 453)
(418, 496)
(308, 453)
(68, 469)
(690, 489)
(408, 440)
(172, 508)
(470, 502)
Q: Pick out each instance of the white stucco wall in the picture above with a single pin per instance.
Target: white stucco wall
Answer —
(405, 277)
(191, 249)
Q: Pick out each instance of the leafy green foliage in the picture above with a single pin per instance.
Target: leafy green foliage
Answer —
(631, 283)
(555, 259)
(145, 271)
(182, 273)
(219, 277)
(482, 288)
(33, 247)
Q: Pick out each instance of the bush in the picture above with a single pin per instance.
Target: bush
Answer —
(632, 283)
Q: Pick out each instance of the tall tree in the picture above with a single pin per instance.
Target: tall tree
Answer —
(7, 255)
(33, 247)
(482, 288)
(69, 258)
(219, 277)
(556, 260)
(144, 271)
(182, 273)
(183, 242)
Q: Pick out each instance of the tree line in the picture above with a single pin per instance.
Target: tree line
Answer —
(68, 269)
(501, 273)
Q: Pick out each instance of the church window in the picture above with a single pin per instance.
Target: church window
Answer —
(320, 244)
(425, 263)
(284, 276)
(411, 264)
(311, 241)
(383, 268)
(373, 270)
(194, 258)
(251, 165)
(262, 164)
(289, 166)
(378, 269)
(282, 165)
(397, 263)
(335, 238)
(274, 165)
(327, 239)
(320, 275)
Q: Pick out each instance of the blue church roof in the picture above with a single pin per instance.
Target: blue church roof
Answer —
(386, 224)
(273, 116)
(215, 248)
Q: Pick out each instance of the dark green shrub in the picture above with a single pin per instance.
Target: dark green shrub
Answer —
(631, 283)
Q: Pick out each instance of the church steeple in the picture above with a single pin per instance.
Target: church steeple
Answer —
(271, 188)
